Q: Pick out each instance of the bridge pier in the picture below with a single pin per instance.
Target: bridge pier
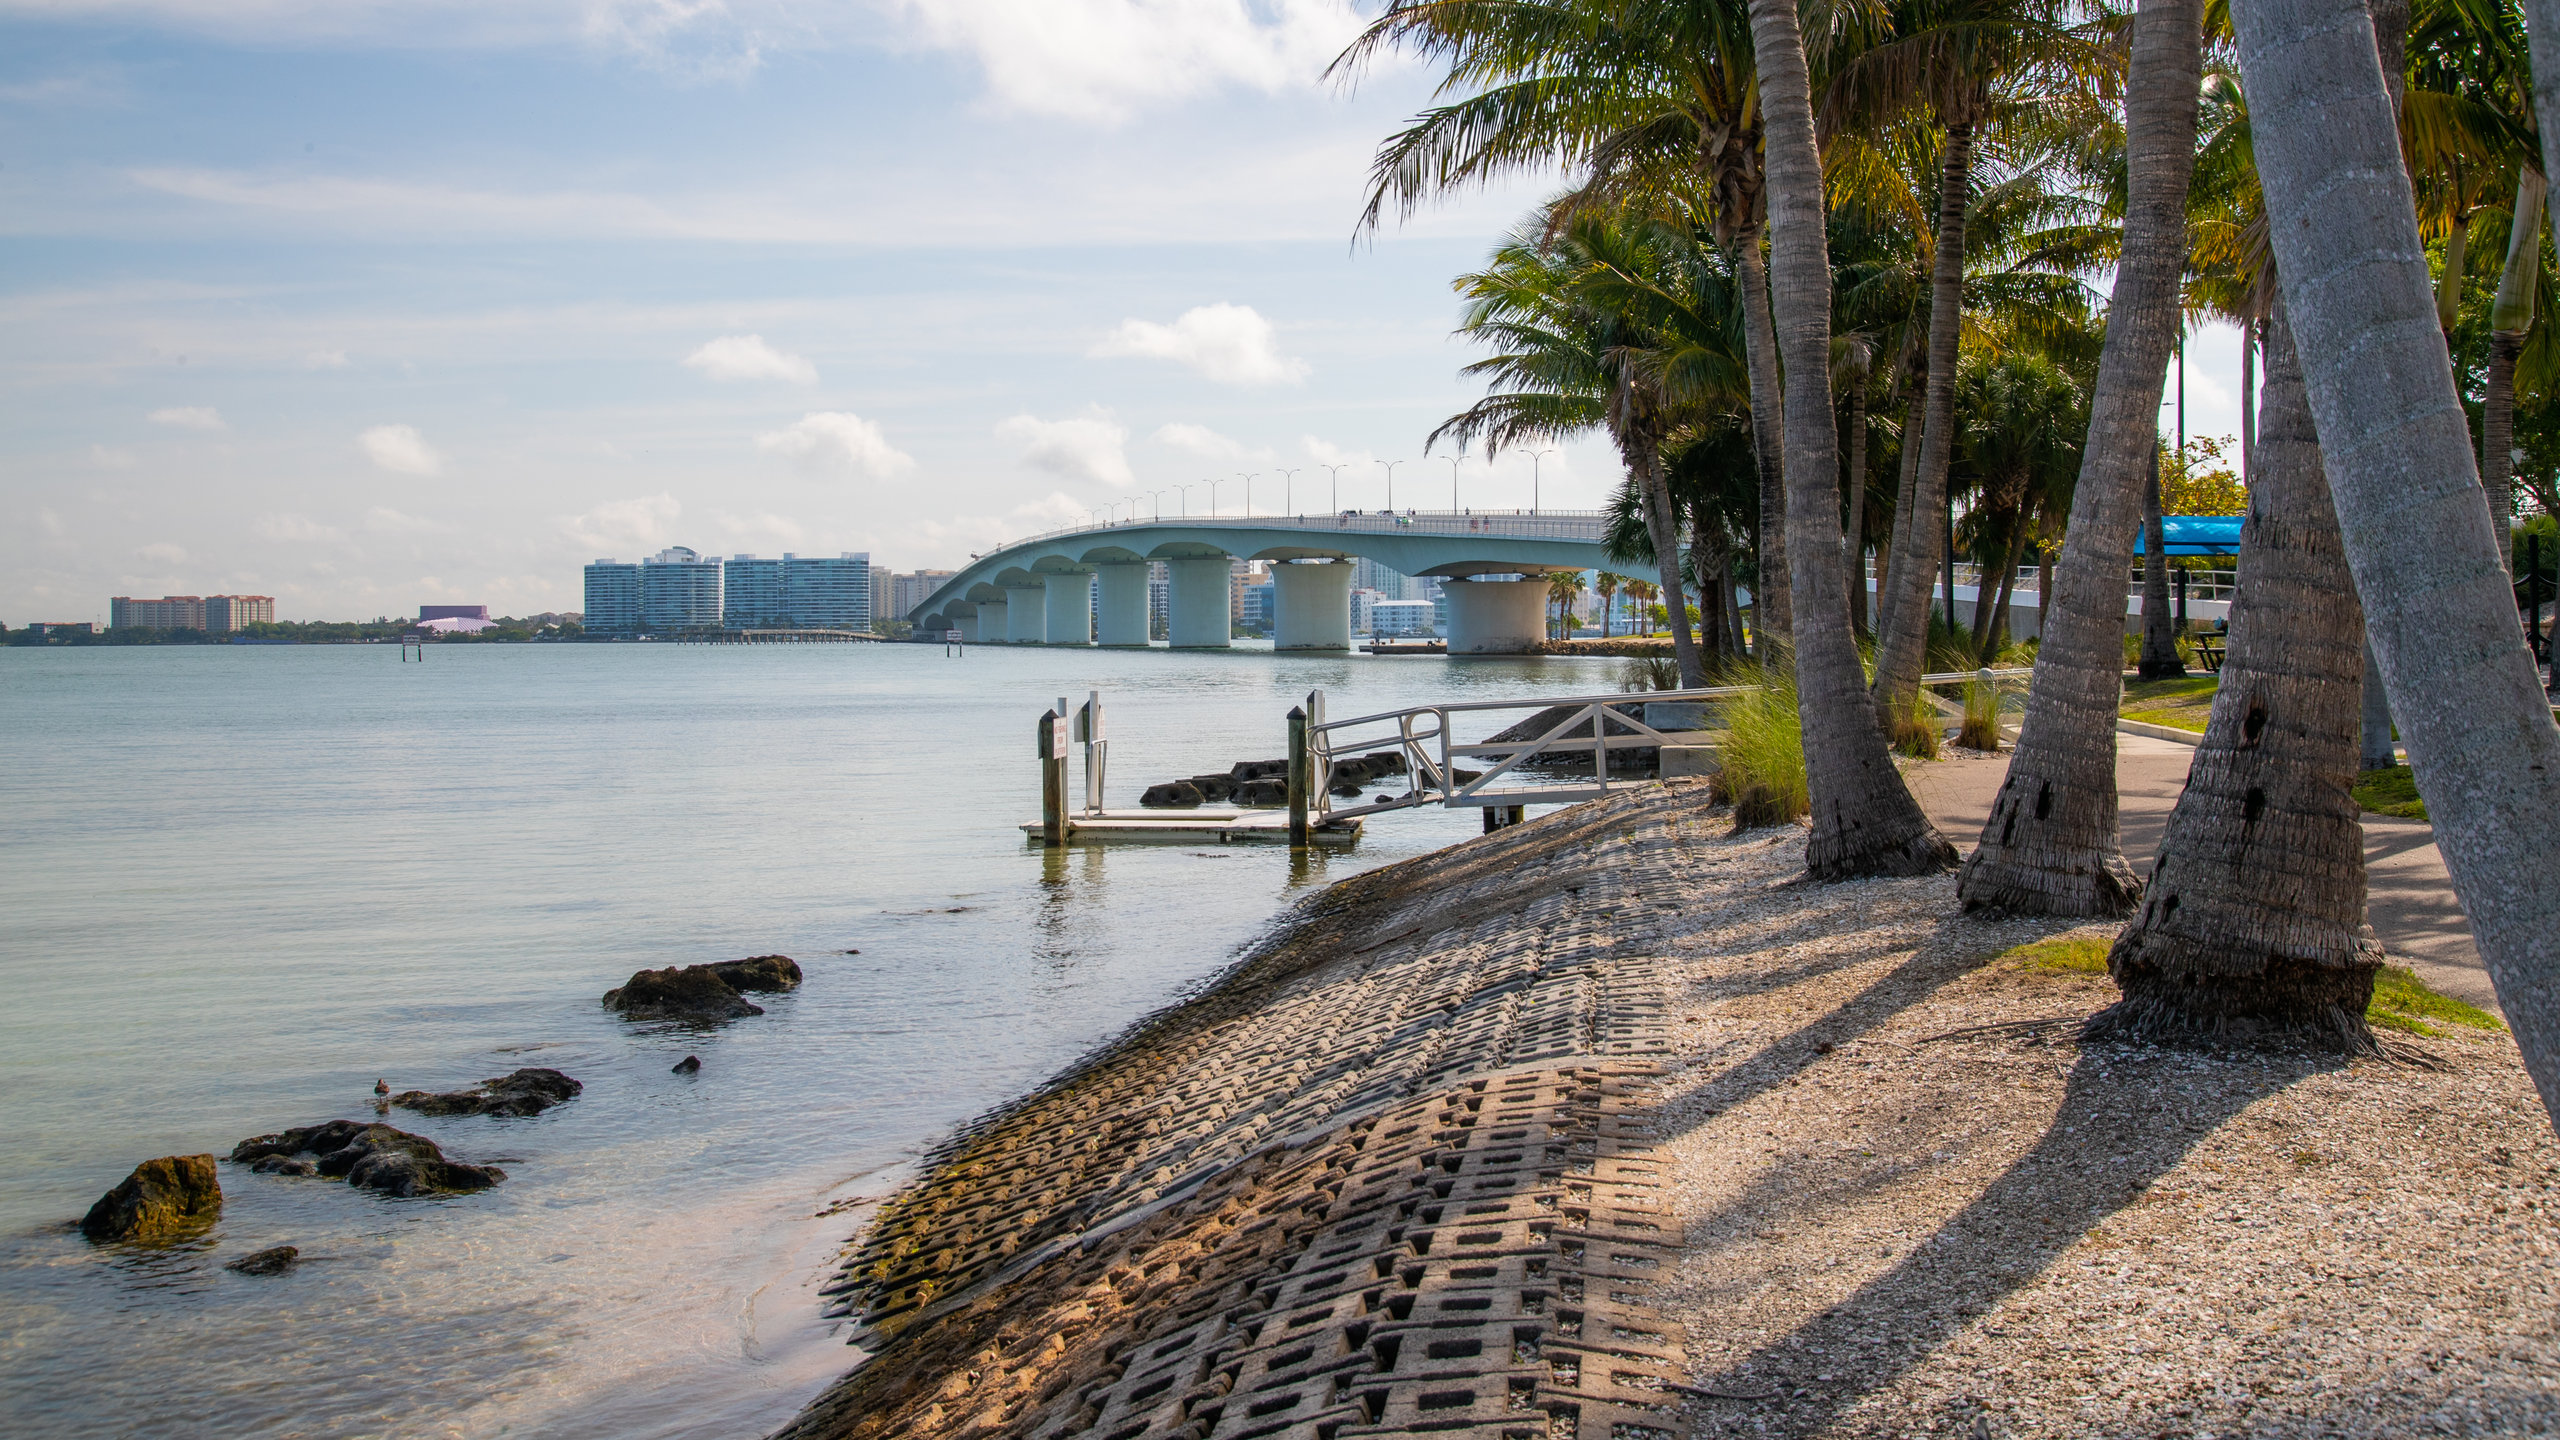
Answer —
(992, 622)
(1313, 601)
(1198, 614)
(1069, 609)
(1121, 606)
(1026, 615)
(1496, 617)
(967, 625)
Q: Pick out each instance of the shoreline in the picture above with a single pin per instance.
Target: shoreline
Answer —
(1490, 1132)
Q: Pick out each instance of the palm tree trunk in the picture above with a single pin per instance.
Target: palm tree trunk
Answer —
(1660, 523)
(2044, 592)
(2159, 630)
(2052, 844)
(2398, 450)
(1864, 819)
(1768, 440)
(2248, 401)
(1985, 588)
(1898, 536)
(2254, 918)
(2510, 316)
(1706, 559)
(2375, 749)
(1904, 656)
(1996, 636)
(1853, 548)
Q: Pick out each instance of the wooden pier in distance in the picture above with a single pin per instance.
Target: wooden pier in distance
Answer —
(1225, 826)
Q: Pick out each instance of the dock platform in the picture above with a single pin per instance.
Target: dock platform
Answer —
(1180, 827)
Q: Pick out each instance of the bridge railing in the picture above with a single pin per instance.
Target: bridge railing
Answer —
(1425, 738)
(1506, 524)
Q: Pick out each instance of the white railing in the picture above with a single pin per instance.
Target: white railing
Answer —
(2201, 584)
(1424, 738)
(1499, 524)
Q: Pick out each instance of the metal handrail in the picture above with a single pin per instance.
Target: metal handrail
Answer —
(1559, 524)
(1430, 754)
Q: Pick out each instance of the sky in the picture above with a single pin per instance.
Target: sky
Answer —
(367, 304)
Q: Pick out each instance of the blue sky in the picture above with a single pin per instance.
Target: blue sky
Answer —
(368, 303)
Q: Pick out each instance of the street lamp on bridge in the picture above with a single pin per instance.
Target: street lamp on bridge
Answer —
(1336, 472)
(1391, 481)
(1533, 476)
(1288, 487)
(1248, 493)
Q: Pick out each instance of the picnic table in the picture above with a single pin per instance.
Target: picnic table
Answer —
(2209, 651)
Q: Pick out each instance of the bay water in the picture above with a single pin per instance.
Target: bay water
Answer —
(240, 884)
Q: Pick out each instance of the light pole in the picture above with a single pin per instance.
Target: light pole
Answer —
(1288, 491)
(1453, 480)
(1184, 491)
(1534, 477)
(1213, 497)
(1390, 466)
(1158, 496)
(1248, 493)
(1336, 472)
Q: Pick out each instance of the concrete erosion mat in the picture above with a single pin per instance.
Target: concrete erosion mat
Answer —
(1387, 1178)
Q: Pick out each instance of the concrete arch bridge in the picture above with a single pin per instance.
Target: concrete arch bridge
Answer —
(1044, 590)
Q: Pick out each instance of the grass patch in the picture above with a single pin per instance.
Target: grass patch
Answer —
(2402, 1001)
(2174, 719)
(2181, 704)
(2063, 955)
(1915, 728)
(1762, 752)
(2392, 792)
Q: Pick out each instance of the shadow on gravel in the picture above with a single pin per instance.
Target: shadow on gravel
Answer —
(2111, 1137)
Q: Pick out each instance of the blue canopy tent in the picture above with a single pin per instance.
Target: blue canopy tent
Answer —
(2195, 535)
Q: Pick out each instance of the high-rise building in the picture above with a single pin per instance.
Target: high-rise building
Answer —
(679, 590)
(912, 591)
(884, 596)
(169, 612)
(226, 613)
(1259, 614)
(751, 594)
(613, 597)
(1400, 617)
(1368, 574)
(827, 594)
(1159, 599)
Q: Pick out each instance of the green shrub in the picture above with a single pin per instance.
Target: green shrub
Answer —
(1981, 729)
(1915, 728)
(1762, 752)
(2392, 792)
(1638, 673)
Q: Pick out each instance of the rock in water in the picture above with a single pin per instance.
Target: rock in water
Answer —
(273, 1261)
(763, 972)
(689, 1065)
(371, 1157)
(1179, 794)
(159, 1199)
(695, 992)
(523, 1092)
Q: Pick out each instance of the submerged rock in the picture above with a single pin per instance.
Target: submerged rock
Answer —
(370, 1157)
(694, 992)
(763, 972)
(523, 1092)
(283, 1165)
(1245, 770)
(1180, 794)
(160, 1199)
(689, 1065)
(272, 1261)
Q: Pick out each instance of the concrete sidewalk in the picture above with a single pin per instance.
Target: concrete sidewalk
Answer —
(2408, 897)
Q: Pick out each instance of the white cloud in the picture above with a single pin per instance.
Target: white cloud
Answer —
(1091, 447)
(162, 553)
(298, 529)
(748, 357)
(1100, 60)
(1202, 441)
(384, 519)
(189, 417)
(762, 525)
(624, 524)
(1328, 453)
(325, 360)
(107, 459)
(1231, 344)
(837, 440)
(401, 450)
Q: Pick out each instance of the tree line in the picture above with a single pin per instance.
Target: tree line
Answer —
(1815, 268)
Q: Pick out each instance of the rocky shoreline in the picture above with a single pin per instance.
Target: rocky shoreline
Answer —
(1606, 1126)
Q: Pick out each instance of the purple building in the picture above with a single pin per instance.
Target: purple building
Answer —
(453, 612)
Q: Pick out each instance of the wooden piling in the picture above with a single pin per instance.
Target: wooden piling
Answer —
(1053, 779)
(1298, 776)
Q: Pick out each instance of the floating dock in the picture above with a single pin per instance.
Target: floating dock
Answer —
(1225, 826)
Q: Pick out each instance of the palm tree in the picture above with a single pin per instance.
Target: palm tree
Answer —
(1564, 587)
(1864, 819)
(1656, 95)
(2052, 845)
(2398, 451)
(1962, 61)
(1644, 593)
(1569, 368)
(2253, 924)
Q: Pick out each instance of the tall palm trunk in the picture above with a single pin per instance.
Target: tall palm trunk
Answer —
(2254, 918)
(2248, 400)
(2510, 316)
(1996, 635)
(1707, 561)
(2052, 844)
(2398, 452)
(1853, 539)
(1663, 526)
(1905, 653)
(1898, 538)
(2159, 629)
(1768, 442)
(1864, 819)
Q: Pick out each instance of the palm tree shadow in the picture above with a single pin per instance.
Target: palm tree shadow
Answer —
(2110, 1138)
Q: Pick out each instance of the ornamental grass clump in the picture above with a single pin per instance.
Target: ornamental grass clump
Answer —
(1981, 730)
(1915, 728)
(1762, 753)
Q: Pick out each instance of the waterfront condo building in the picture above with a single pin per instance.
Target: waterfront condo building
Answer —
(797, 592)
(913, 590)
(169, 612)
(679, 590)
(226, 613)
(613, 597)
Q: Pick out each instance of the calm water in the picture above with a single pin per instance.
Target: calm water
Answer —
(237, 885)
